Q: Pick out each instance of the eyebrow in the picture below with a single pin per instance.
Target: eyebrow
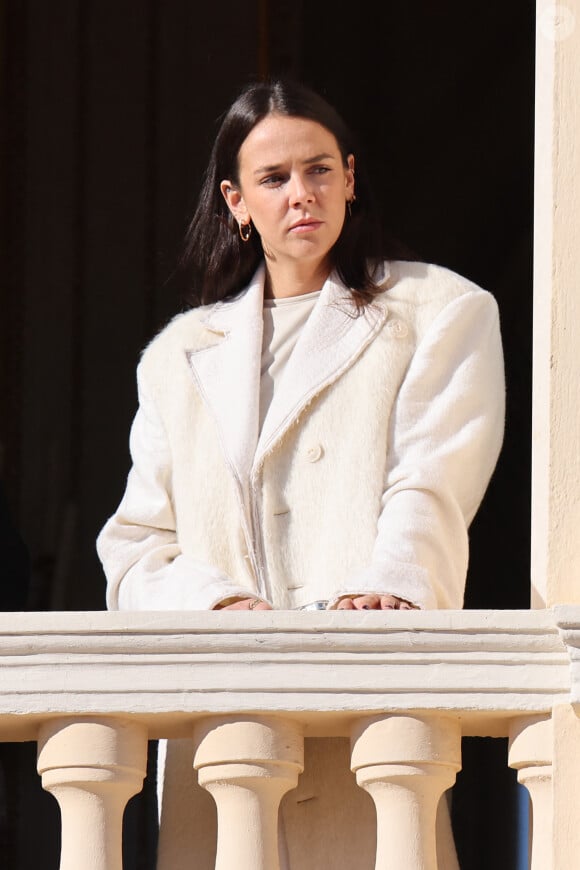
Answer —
(309, 160)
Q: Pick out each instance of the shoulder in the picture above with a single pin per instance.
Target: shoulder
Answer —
(420, 291)
(184, 330)
(162, 359)
(428, 297)
(418, 283)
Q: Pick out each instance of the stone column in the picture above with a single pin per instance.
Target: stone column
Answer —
(92, 768)
(406, 762)
(566, 785)
(530, 753)
(248, 765)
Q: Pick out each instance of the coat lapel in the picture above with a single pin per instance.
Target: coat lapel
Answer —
(332, 339)
(228, 373)
(227, 370)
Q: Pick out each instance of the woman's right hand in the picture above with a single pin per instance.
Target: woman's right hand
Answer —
(244, 604)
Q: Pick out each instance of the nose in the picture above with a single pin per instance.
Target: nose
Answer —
(299, 190)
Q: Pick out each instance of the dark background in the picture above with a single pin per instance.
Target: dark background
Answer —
(108, 110)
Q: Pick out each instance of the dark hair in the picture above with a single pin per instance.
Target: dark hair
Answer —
(217, 262)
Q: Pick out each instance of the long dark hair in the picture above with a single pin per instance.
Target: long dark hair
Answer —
(217, 262)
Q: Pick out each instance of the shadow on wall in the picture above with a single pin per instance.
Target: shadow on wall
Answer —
(109, 127)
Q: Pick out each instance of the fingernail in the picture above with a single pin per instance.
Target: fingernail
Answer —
(366, 607)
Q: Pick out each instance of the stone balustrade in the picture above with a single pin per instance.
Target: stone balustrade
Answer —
(93, 688)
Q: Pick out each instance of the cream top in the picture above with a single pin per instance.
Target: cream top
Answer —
(283, 321)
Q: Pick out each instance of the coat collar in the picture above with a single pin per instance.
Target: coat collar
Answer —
(228, 371)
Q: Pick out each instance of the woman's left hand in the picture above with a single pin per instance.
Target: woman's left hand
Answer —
(375, 602)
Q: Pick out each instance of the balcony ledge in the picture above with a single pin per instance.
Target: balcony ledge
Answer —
(167, 669)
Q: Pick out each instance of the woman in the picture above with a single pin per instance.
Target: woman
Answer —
(322, 425)
(319, 429)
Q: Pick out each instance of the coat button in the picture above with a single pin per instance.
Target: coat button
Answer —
(398, 328)
(314, 453)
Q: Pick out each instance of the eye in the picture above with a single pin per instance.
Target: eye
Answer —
(274, 180)
(319, 170)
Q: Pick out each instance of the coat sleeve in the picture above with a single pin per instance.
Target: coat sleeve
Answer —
(446, 433)
(138, 547)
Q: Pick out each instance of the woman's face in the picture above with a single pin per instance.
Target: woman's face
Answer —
(293, 186)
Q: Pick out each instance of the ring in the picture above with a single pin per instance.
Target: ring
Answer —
(253, 603)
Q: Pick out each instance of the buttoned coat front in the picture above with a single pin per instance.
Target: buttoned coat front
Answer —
(372, 460)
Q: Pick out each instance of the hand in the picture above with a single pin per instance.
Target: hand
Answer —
(245, 604)
(375, 602)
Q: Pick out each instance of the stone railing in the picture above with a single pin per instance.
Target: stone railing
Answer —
(93, 688)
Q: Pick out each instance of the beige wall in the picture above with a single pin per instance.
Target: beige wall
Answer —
(556, 390)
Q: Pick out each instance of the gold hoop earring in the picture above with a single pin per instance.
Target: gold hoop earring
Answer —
(245, 231)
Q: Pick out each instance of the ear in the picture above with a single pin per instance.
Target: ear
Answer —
(235, 201)
(349, 177)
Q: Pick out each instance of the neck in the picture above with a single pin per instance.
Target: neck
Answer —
(295, 281)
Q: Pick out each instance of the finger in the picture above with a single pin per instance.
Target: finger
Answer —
(390, 602)
(393, 602)
(241, 604)
(247, 604)
(367, 602)
(345, 604)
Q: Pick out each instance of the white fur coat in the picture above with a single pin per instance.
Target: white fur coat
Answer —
(372, 461)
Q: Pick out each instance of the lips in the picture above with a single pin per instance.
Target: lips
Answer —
(305, 225)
